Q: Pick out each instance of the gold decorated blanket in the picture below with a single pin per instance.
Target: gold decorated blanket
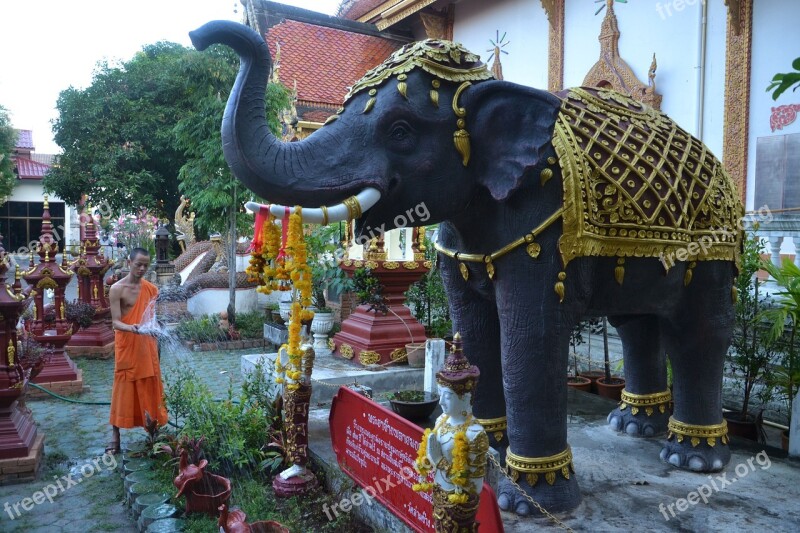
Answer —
(637, 185)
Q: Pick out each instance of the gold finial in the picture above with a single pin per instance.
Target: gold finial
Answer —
(46, 202)
(457, 337)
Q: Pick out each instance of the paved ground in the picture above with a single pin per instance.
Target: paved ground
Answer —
(77, 434)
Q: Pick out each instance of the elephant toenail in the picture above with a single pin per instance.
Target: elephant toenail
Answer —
(648, 431)
(523, 509)
(717, 464)
(503, 502)
(697, 464)
(663, 454)
(615, 422)
(675, 459)
(632, 428)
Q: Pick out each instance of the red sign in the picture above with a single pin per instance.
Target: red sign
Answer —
(377, 448)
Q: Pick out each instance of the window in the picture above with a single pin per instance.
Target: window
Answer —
(21, 223)
(778, 171)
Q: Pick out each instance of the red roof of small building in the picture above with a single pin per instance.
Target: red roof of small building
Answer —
(24, 139)
(325, 61)
(358, 8)
(30, 169)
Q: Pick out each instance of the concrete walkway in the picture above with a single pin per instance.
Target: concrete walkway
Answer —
(77, 434)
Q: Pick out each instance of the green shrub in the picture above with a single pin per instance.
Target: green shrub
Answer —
(201, 329)
(250, 325)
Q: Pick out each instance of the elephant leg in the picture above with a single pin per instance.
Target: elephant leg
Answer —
(539, 459)
(644, 409)
(697, 340)
(475, 318)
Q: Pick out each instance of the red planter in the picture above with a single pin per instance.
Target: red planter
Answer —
(593, 375)
(580, 383)
(611, 390)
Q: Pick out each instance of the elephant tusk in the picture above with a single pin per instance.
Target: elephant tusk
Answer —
(350, 209)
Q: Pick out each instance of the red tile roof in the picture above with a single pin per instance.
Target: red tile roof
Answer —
(29, 169)
(25, 139)
(358, 8)
(325, 61)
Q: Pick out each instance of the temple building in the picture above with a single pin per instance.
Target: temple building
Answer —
(706, 63)
(21, 213)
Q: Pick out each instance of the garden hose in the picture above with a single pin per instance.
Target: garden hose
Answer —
(51, 393)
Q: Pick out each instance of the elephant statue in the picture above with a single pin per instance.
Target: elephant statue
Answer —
(552, 207)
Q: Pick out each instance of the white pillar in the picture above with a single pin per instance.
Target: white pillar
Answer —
(794, 429)
(434, 361)
(775, 242)
(796, 242)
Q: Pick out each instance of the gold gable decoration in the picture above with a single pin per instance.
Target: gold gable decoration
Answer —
(444, 59)
(612, 72)
(637, 185)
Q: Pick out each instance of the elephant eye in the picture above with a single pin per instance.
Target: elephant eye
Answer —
(399, 132)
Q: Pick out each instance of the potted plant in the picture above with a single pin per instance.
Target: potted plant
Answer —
(752, 348)
(784, 317)
(592, 325)
(427, 299)
(575, 380)
(273, 313)
(369, 290)
(81, 314)
(413, 404)
(608, 386)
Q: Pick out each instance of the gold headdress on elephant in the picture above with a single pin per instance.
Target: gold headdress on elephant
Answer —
(444, 60)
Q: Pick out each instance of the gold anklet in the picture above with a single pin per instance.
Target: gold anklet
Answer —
(494, 426)
(649, 402)
(711, 433)
(533, 467)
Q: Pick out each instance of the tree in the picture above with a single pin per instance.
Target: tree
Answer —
(120, 136)
(8, 139)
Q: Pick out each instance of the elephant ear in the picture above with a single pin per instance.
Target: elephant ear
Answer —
(510, 128)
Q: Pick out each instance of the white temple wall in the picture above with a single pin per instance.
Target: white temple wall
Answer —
(527, 31)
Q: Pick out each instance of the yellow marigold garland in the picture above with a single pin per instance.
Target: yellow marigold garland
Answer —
(458, 473)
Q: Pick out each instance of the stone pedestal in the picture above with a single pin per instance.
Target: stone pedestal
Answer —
(435, 352)
(94, 342)
(23, 469)
(368, 337)
(794, 429)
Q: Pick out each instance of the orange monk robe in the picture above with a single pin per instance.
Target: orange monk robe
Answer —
(137, 375)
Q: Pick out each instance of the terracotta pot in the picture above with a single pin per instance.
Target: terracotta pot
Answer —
(785, 440)
(415, 354)
(580, 383)
(611, 390)
(593, 375)
(746, 428)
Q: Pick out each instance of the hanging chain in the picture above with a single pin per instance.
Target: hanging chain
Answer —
(536, 504)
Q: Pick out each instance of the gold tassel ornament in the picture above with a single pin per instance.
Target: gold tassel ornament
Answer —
(619, 271)
(461, 136)
(371, 101)
(559, 288)
(402, 86)
(734, 294)
(435, 92)
(687, 277)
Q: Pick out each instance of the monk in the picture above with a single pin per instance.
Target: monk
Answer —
(137, 375)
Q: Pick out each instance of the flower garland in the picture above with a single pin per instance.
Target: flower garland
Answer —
(267, 266)
(295, 263)
(457, 472)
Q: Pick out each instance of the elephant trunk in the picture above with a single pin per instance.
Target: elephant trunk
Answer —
(288, 173)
